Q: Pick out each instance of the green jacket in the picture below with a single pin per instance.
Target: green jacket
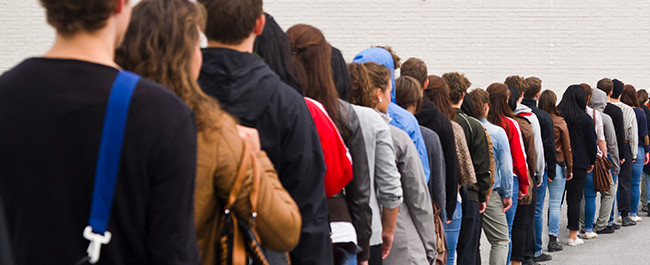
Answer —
(479, 149)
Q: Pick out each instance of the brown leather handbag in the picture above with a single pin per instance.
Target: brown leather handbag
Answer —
(239, 242)
(441, 240)
(602, 175)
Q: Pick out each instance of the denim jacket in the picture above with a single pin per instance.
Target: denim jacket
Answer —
(502, 159)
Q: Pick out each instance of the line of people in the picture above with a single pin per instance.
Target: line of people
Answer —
(331, 162)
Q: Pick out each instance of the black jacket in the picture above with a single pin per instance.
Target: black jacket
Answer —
(548, 138)
(583, 142)
(646, 110)
(435, 120)
(617, 118)
(248, 89)
(5, 251)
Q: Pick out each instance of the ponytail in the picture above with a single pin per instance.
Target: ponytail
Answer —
(363, 92)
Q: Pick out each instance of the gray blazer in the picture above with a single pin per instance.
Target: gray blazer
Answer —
(415, 218)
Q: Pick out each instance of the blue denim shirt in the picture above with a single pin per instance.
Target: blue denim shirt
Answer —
(502, 159)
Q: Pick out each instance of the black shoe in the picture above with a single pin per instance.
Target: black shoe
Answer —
(553, 245)
(606, 230)
(529, 262)
(628, 222)
(542, 258)
(616, 226)
(645, 208)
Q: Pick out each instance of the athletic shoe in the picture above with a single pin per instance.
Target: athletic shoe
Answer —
(636, 218)
(590, 235)
(616, 226)
(553, 244)
(543, 257)
(576, 242)
(606, 230)
(627, 221)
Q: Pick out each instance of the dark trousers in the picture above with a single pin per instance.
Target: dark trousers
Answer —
(529, 249)
(470, 233)
(574, 191)
(625, 186)
(375, 255)
(520, 228)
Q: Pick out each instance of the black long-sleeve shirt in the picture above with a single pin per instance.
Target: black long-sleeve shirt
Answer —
(52, 113)
(617, 118)
(548, 138)
(583, 142)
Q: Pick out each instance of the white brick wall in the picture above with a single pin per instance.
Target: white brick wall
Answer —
(562, 42)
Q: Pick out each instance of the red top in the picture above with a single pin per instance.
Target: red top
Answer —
(337, 157)
(519, 165)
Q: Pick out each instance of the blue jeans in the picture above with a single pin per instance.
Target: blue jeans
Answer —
(345, 254)
(539, 213)
(637, 171)
(611, 217)
(590, 203)
(555, 193)
(452, 230)
(510, 214)
(647, 185)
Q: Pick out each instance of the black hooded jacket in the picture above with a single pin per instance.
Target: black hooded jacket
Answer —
(433, 119)
(548, 138)
(248, 89)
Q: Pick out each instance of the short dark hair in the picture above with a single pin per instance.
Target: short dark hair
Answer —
(458, 85)
(518, 83)
(480, 97)
(408, 92)
(606, 85)
(231, 22)
(534, 86)
(69, 17)
(415, 68)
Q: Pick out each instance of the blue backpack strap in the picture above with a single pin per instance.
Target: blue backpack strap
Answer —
(108, 161)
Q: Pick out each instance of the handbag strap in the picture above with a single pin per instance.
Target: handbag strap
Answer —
(238, 182)
(108, 161)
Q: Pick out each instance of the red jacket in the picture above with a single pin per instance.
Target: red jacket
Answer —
(337, 157)
(519, 165)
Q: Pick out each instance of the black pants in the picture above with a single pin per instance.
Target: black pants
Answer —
(625, 186)
(574, 191)
(375, 255)
(520, 226)
(529, 250)
(470, 234)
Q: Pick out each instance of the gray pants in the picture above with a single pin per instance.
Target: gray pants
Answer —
(606, 204)
(495, 227)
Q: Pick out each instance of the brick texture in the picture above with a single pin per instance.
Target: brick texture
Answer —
(561, 42)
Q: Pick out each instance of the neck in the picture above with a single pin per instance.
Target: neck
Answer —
(98, 47)
(614, 99)
(244, 46)
(457, 105)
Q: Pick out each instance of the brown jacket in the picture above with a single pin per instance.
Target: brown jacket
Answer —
(562, 142)
(219, 152)
(531, 156)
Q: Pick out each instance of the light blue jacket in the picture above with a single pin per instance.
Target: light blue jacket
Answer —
(400, 118)
(502, 159)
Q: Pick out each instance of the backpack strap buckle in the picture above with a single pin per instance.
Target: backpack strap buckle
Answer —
(96, 241)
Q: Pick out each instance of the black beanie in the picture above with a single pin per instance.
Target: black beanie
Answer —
(618, 88)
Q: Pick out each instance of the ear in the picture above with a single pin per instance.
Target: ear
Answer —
(379, 93)
(537, 95)
(426, 84)
(120, 5)
(259, 25)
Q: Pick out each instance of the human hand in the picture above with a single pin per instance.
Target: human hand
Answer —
(520, 195)
(507, 203)
(387, 239)
(591, 168)
(362, 262)
(549, 179)
(622, 161)
(647, 159)
(250, 136)
(448, 221)
(570, 176)
(482, 206)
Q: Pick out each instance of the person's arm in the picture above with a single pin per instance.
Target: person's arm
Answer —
(590, 140)
(451, 164)
(566, 147)
(633, 133)
(504, 159)
(388, 223)
(518, 156)
(170, 236)
(548, 140)
(387, 178)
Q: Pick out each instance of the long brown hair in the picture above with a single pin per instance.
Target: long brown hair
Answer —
(438, 92)
(499, 108)
(548, 102)
(311, 62)
(629, 96)
(160, 40)
(641, 97)
(379, 75)
(363, 92)
(408, 92)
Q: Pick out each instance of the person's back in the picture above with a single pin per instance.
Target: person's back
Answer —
(248, 89)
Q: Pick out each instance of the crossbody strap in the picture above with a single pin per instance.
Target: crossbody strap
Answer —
(108, 161)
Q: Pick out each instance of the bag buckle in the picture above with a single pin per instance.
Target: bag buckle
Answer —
(96, 241)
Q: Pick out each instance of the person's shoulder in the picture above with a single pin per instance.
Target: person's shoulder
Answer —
(156, 106)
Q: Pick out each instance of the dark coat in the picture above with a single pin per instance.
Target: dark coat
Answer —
(617, 118)
(248, 89)
(435, 120)
(5, 251)
(583, 142)
(548, 138)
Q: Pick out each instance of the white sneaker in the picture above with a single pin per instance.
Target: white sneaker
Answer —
(590, 235)
(576, 242)
(619, 219)
(636, 218)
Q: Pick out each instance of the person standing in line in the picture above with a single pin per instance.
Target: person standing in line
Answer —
(415, 219)
(438, 92)
(584, 149)
(249, 90)
(598, 102)
(629, 97)
(400, 118)
(563, 168)
(501, 114)
(55, 106)
(521, 110)
(642, 99)
(176, 25)
(474, 196)
(606, 85)
(386, 194)
(531, 96)
(627, 167)
(588, 203)
(495, 224)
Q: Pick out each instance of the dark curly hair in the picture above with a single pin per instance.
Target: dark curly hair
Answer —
(71, 16)
(458, 85)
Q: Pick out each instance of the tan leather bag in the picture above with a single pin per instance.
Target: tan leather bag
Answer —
(602, 175)
(441, 240)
